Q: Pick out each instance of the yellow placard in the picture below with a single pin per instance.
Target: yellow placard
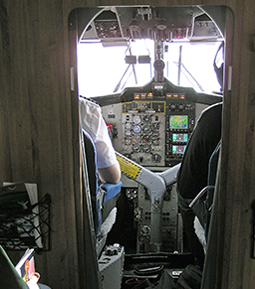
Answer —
(128, 168)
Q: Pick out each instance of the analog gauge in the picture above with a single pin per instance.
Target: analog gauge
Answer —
(147, 118)
(155, 134)
(137, 128)
(128, 125)
(146, 138)
(146, 128)
(128, 142)
(155, 126)
(136, 148)
(128, 132)
(156, 158)
(155, 142)
(146, 148)
(136, 119)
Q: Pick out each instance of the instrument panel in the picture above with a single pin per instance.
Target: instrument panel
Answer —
(143, 127)
(152, 131)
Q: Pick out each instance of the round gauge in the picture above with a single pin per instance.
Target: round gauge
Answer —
(136, 140)
(155, 134)
(146, 138)
(156, 158)
(147, 118)
(128, 133)
(146, 128)
(128, 125)
(136, 148)
(155, 142)
(137, 128)
(136, 119)
(146, 148)
(155, 126)
(128, 142)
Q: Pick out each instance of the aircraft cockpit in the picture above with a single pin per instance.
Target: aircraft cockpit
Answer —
(153, 70)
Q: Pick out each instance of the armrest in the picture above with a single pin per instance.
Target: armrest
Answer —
(110, 190)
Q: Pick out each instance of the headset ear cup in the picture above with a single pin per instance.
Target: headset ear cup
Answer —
(219, 70)
(219, 73)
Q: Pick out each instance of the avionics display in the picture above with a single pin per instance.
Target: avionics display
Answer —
(178, 121)
(180, 137)
(178, 149)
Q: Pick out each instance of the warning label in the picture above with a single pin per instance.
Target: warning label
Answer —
(128, 168)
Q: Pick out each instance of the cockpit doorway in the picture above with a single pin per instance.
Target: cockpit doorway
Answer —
(152, 70)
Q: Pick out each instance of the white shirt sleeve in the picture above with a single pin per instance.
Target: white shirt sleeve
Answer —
(93, 122)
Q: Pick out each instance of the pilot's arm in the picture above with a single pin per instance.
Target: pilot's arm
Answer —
(93, 122)
(110, 174)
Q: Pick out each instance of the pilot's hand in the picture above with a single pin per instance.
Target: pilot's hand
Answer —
(32, 283)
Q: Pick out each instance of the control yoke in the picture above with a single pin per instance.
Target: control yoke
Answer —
(156, 184)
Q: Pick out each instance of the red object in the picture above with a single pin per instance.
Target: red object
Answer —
(109, 125)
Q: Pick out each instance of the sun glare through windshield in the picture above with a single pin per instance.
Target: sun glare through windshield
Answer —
(103, 70)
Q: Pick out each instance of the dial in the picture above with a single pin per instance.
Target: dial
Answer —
(137, 128)
(136, 148)
(155, 142)
(155, 134)
(156, 158)
(147, 118)
(128, 133)
(146, 138)
(146, 128)
(128, 125)
(146, 148)
(128, 141)
(136, 119)
(155, 125)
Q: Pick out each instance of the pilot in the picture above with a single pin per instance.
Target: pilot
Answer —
(192, 176)
(92, 121)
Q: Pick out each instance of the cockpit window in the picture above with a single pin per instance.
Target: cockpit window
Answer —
(104, 70)
(112, 68)
(125, 48)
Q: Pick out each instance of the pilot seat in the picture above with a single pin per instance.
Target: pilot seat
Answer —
(103, 200)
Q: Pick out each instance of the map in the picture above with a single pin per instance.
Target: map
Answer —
(178, 121)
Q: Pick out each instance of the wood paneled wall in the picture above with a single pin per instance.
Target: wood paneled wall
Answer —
(39, 131)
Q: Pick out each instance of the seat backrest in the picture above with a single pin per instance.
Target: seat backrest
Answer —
(203, 202)
(90, 152)
(212, 174)
(103, 197)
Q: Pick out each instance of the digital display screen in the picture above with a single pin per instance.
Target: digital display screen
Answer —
(180, 137)
(178, 149)
(178, 121)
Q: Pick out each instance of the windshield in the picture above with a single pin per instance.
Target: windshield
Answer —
(104, 70)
